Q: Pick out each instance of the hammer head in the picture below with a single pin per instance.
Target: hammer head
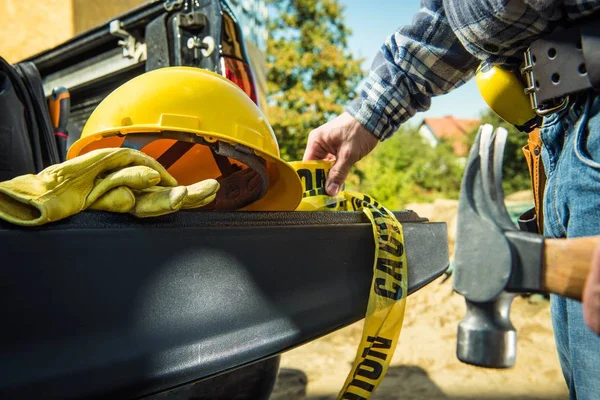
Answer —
(486, 337)
(484, 257)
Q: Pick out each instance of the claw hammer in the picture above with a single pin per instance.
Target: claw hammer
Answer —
(495, 261)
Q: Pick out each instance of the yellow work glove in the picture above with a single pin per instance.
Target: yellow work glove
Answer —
(157, 200)
(114, 179)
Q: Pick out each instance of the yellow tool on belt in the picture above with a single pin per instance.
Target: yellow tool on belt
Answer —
(505, 93)
(387, 297)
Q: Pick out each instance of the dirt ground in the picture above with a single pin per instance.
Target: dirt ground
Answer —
(424, 365)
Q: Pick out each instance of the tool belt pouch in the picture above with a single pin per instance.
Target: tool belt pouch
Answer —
(533, 220)
(27, 143)
(566, 62)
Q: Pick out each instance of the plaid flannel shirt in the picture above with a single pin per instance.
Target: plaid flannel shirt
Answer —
(442, 47)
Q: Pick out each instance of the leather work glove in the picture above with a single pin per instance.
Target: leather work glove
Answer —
(157, 200)
(113, 179)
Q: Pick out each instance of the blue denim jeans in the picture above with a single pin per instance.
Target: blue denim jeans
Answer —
(571, 156)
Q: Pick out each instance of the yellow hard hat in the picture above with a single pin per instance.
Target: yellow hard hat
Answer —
(199, 125)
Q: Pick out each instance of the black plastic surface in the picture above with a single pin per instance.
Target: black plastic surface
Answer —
(107, 305)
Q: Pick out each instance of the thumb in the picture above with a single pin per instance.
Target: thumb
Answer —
(338, 173)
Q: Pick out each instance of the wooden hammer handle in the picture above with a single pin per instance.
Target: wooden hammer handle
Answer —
(567, 264)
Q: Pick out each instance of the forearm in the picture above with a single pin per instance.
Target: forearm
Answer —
(417, 62)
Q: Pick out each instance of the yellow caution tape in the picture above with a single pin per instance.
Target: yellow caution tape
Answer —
(387, 300)
(389, 288)
(313, 175)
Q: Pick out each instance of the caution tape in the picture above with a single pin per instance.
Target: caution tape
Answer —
(387, 300)
(389, 287)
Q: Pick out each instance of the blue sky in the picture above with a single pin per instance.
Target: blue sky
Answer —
(372, 21)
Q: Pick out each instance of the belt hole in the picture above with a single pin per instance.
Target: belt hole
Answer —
(551, 52)
(582, 70)
(555, 78)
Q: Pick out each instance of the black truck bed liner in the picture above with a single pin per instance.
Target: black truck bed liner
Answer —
(104, 304)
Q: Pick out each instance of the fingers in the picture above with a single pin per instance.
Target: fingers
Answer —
(342, 139)
(136, 177)
(200, 193)
(102, 161)
(591, 295)
(339, 172)
(315, 150)
(119, 199)
(153, 203)
(166, 179)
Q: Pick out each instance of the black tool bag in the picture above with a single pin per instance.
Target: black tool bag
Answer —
(27, 143)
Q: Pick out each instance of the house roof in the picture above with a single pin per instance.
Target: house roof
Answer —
(453, 130)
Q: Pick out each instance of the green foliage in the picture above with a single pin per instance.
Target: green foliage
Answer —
(311, 74)
(515, 172)
(408, 169)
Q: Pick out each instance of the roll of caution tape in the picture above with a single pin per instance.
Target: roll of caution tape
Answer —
(313, 175)
(389, 286)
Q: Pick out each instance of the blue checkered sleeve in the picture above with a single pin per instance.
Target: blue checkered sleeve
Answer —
(442, 47)
(418, 61)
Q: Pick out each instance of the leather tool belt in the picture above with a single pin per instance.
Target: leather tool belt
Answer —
(562, 64)
(557, 66)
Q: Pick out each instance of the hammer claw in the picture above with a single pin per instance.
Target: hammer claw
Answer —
(486, 192)
(478, 236)
(492, 153)
(500, 143)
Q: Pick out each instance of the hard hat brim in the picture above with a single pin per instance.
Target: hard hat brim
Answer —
(285, 188)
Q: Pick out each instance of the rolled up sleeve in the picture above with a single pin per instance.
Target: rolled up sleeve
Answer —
(415, 63)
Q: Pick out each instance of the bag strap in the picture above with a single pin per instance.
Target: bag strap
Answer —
(31, 125)
(33, 82)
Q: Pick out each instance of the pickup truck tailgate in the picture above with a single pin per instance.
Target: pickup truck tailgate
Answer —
(104, 304)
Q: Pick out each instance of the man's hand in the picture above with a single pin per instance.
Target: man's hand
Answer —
(591, 295)
(344, 140)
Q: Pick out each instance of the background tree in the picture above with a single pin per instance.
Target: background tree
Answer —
(311, 74)
(406, 169)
